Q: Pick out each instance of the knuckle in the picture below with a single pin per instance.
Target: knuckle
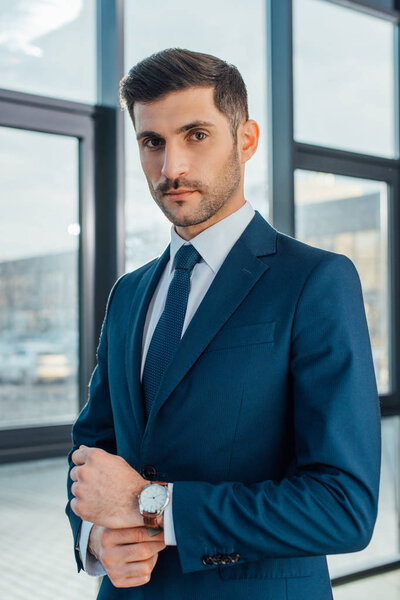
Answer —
(82, 473)
(94, 454)
(146, 578)
(75, 489)
(147, 568)
(91, 454)
(75, 506)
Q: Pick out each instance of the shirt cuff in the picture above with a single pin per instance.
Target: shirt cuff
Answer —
(91, 565)
(169, 531)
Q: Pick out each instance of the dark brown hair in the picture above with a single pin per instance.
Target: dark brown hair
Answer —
(176, 69)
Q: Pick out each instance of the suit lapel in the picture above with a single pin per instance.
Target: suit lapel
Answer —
(135, 326)
(233, 282)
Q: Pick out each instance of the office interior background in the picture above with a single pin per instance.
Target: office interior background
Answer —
(323, 83)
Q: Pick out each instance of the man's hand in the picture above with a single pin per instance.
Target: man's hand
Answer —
(128, 555)
(105, 489)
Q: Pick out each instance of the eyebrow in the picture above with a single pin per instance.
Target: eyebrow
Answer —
(180, 130)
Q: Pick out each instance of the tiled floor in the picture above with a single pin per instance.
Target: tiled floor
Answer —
(38, 563)
(36, 558)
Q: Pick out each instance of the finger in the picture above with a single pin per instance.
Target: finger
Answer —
(145, 551)
(128, 581)
(79, 457)
(132, 535)
(131, 553)
(136, 572)
(73, 488)
(74, 473)
(73, 505)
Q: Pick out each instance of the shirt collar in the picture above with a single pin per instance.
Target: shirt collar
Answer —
(214, 243)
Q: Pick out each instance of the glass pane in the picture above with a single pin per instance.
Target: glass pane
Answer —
(39, 240)
(147, 229)
(48, 48)
(385, 544)
(349, 216)
(343, 78)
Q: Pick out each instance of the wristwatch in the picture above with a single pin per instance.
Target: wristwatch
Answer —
(153, 499)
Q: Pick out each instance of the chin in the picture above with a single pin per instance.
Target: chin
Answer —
(184, 218)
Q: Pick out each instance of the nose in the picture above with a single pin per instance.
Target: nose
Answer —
(175, 162)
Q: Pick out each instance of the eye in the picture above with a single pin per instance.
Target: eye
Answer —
(199, 133)
(146, 142)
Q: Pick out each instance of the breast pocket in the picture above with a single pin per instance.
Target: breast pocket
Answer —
(243, 335)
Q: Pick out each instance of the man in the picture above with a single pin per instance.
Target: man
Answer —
(235, 370)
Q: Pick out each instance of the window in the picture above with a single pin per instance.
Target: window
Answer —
(349, 215)
(48, 48)
(343, 78)
(39, 241)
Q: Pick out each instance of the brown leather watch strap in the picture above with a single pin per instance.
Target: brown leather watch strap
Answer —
(150, 520)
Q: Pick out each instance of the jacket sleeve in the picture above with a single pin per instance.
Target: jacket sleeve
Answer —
(327, 503)
(95, 425)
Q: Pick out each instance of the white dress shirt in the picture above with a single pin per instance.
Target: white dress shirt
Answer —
(213, 244)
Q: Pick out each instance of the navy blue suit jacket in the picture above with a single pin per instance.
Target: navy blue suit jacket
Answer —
(267, 421)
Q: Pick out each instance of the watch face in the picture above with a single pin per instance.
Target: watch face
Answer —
(153, 497)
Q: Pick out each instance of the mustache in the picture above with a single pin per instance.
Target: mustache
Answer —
(169, 186)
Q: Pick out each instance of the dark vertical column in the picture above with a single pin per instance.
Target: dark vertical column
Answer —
(109, 155)
(280, 114)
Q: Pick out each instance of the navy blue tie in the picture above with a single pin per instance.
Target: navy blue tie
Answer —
(167, 334)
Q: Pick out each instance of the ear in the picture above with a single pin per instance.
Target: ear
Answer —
(248, 136)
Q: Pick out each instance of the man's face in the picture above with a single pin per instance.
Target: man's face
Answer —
(179, 153)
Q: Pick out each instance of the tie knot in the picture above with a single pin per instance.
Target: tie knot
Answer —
(186, 257)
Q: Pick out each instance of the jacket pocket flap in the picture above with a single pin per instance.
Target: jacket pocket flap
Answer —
(244, 335)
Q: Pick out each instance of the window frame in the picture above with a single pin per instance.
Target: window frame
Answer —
(99, 130)
(40, 114)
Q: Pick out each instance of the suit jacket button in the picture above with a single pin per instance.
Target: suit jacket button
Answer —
(217, 558)
(149, 472)
(207, 560)
(226, 560)
(235, 556)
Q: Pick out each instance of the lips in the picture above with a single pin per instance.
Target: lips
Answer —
(179, 194)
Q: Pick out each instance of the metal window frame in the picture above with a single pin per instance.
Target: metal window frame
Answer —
(45, 115)
(99, 129)
(286, 155)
